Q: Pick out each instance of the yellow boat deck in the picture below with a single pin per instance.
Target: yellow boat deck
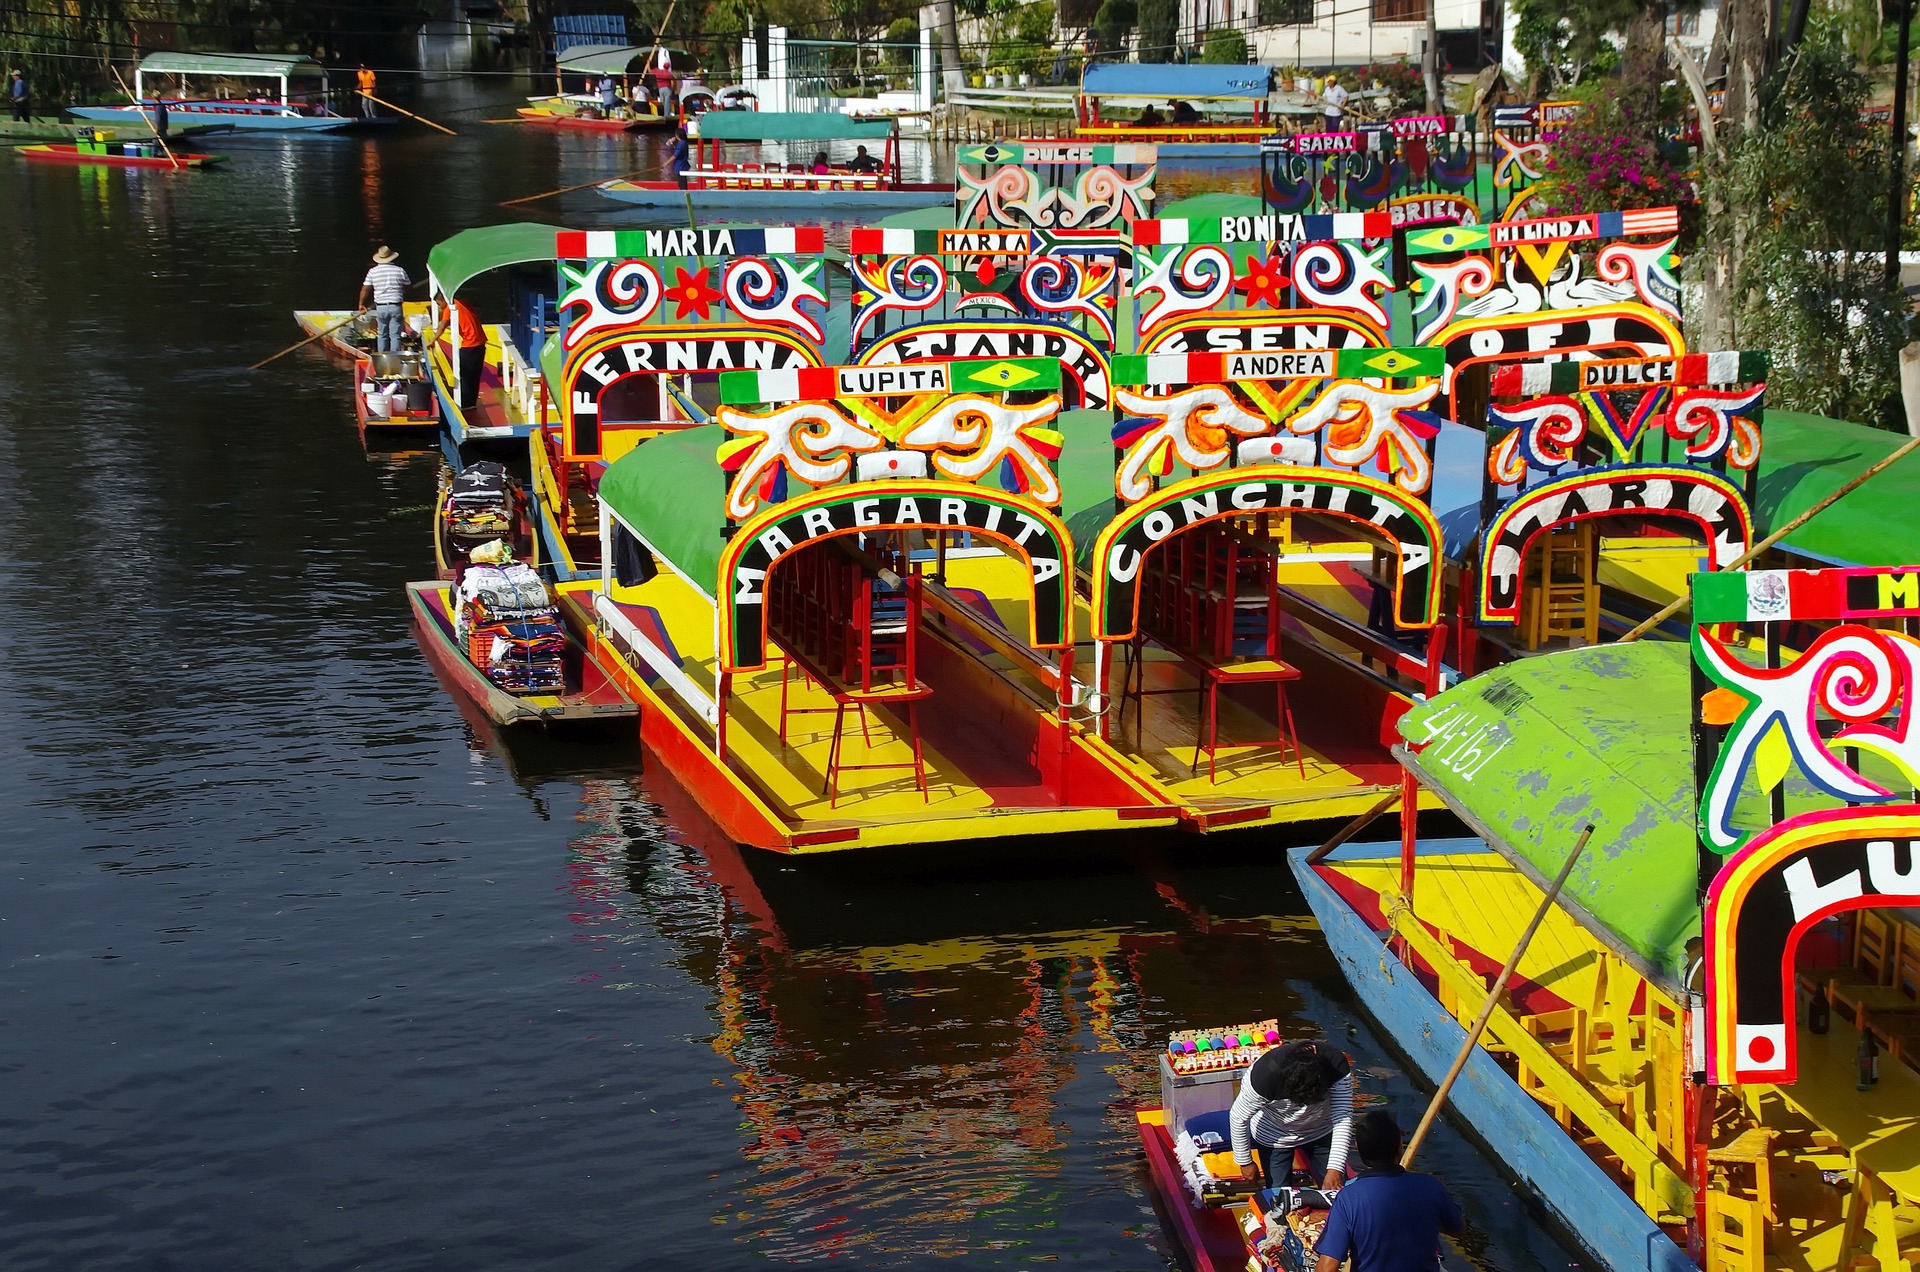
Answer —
(1813, 1176)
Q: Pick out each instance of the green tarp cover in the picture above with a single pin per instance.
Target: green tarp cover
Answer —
(670, 488)
(471, 253)
(275, 64)
(1538, 748)
(1804, 458)
(768, 125)
(608, 61)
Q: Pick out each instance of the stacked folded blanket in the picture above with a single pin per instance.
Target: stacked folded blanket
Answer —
(511, 631)
(480, 504)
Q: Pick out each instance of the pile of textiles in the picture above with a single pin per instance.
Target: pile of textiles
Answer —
(510, 629)
(480, 505)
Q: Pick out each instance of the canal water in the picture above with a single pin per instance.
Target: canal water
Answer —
(299, 969)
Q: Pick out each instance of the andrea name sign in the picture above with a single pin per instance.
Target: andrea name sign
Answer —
(817, 384)
(1300, 364)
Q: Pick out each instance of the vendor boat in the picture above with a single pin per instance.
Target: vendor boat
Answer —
(586, 111)
(301, 104)
(344, 333)
(392, 395)
(510, 401)
(481, 504)
(780, 175)
(102, 150)
(497, 637)
(1709, 1046)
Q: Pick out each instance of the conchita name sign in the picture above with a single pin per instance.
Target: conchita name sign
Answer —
(1397, 516)
(757, 546)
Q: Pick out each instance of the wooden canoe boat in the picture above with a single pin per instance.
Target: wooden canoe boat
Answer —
(590, 697)
(404, 422)
(70, 153)
(449, 556)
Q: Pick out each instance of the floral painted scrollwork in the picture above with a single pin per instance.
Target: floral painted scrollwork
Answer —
(970, 435)
(1070, 287)
(1648, 268)
(607, 294)
(1343, 276)
(1518, 159)
(1716, 422)
(1443, 287)
(1194, 426)
(1543, 434)
(812, 440)
(1014, 196)
(1188, 281)
(904, 283)
(1854, 675)
(1387, 426)
(772, 291)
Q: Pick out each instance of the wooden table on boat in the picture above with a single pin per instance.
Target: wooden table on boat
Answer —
(1882, 1127)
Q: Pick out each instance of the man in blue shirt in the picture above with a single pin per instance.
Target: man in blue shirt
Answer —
(19, 98)
(1387, 1218)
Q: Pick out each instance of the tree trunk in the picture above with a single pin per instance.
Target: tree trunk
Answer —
(1430, 63)
(953, 75)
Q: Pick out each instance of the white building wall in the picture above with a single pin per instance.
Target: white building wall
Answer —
(1343, 32)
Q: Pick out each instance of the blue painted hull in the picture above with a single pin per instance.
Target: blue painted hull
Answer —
(240, 121)
(1530, 1145)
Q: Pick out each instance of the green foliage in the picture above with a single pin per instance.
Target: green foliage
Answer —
(1406, 88)
(1025, 42)
(1805, 195)
(1613, 156)
(1566, 41)
(1159, 24)
(1112, 22)
(1225, 47)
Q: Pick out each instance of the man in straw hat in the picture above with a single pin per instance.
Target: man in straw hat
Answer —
(386, 288)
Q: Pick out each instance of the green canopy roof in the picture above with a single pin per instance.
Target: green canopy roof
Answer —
(268, 64)
(772, 125)
(598, 57)
(671, 490)
(1804, 458)
(471, 253)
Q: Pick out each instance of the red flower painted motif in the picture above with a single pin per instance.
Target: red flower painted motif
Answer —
(691, 293)
(1264, 281)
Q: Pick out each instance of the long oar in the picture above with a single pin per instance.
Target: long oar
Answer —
(1493, 1000)
(1680, 602)
(309, 340)
(548, 194)
(409, 114)
(171, 157)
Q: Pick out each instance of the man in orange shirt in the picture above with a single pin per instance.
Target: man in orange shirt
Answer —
(470, 349)
(365, 83)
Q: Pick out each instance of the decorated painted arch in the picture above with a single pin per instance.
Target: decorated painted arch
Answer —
(1699, 496)
(763, 540)
(608, 357)
(1763, 901)
(1407, 523)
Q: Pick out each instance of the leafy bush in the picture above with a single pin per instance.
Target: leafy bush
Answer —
(1225, 48)
(1612, 157)
(1112, 23)
(1406, 89)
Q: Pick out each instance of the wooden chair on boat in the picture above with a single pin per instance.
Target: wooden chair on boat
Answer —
(1868, 980)
(1738, 1215)
(1562, 597)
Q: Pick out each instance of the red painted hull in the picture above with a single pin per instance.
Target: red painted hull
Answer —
(61, 153)
(1209, 1237)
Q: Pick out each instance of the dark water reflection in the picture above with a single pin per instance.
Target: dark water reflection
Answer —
(301, 970)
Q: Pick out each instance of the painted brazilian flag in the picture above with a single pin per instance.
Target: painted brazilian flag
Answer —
(1448, 238)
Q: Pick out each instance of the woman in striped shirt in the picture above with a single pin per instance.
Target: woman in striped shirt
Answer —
(1299, 1096)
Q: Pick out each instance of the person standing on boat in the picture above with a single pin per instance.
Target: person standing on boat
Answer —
(18, 98)
(609, 95)
(677, 162)
(386, 288)
(1333, 100)
(1388, 1219)
(365, 82)
(470, 349)
(1299, 1096)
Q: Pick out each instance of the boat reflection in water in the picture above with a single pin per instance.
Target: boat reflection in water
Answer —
(937, 1060)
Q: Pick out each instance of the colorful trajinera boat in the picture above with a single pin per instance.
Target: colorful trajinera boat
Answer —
(495, 634)
(296, 101)
(781, 175)
(587, 111)
(510, 401)
(103, 149)
(1108, 89)
(1709, 1048)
